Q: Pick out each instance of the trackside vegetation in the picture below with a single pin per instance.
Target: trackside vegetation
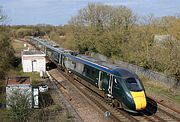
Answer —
(118, 33)
(6, 50)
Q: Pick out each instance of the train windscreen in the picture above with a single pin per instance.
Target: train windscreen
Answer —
(133, 84)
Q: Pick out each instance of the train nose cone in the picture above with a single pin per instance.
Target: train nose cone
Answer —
(139, 100)
(140, 103)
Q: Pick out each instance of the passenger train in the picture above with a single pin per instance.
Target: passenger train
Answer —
(119, 85)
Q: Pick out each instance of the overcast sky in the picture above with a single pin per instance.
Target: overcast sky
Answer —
(58, 12)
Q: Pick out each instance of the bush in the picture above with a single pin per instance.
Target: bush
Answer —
(19, 106)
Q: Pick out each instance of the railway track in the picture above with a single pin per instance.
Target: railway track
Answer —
(104, 105)
(58, 96)
(79, 101)
(161, 112)
(161, 103)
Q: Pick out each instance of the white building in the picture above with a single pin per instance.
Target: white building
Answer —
(33, 60)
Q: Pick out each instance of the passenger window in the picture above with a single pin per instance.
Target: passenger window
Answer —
(93, 72)
(87, 71)
(105, 76)
(79, 67)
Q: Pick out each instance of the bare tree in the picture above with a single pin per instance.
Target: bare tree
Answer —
(3, 16)
(101, 28)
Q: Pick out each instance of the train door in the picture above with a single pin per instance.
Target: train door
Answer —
(60, 59)
(100, 81)
(63, 61)
(104, 81)
(110, 85)
(116, 88)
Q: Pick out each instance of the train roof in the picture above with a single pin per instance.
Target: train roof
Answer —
(124, 73)
(90, 61)
(104, 66)
(51, 45)
(103, 63)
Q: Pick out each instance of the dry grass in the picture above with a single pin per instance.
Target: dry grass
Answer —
(1, 117)
(18, 45)
(160, 89)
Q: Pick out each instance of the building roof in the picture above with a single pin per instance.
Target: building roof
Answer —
(32, 52)
(19, 80)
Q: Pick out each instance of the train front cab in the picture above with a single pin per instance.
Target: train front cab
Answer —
(130, 92)
(137, 91)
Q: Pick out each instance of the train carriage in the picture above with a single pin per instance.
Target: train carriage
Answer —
(116, 83)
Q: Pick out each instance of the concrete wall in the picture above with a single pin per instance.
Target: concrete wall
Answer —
(169, 81)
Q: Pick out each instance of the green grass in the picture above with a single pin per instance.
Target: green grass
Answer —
(34, 76)
(155, 87)
(162, 92)
(2, 115)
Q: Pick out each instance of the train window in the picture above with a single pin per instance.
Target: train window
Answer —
(79, 67)
(93, 72)
(133, 84)
(88, 71)
(55, 56)
(105, 76)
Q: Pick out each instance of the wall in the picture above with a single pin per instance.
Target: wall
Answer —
(169, 81)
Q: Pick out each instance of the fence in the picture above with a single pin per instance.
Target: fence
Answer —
(169, 81)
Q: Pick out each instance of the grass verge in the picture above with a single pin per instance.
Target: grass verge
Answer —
(155, 87)
(18, 46)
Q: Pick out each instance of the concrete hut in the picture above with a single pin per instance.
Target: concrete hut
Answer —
(33, 60)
